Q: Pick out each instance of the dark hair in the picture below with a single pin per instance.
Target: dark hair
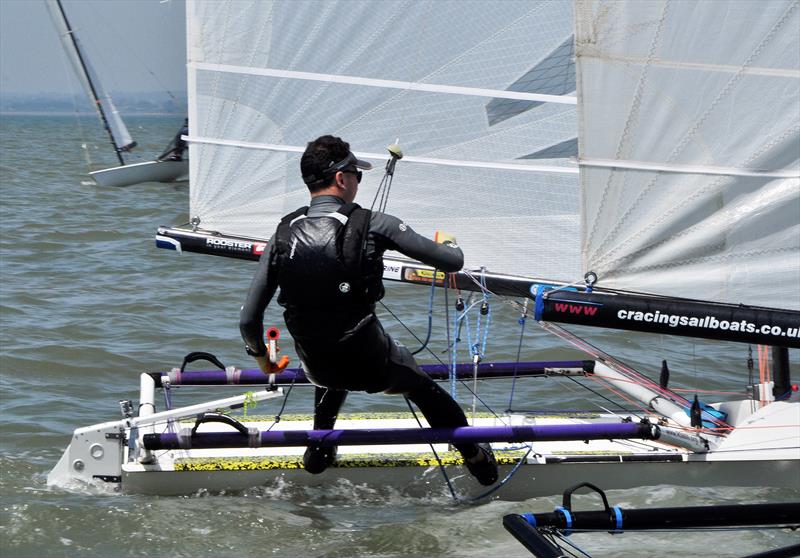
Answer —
(321, 154)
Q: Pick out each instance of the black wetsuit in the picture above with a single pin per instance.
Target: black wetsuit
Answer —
(176, 147)
(356, 355)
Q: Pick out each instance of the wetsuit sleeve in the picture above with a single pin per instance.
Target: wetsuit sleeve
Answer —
(392, 234)
(262, 289)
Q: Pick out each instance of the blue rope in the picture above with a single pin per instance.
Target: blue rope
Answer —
(473, 347)
(486, 331)
(500, 484)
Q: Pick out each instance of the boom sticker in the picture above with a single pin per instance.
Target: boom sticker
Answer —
(416, 275)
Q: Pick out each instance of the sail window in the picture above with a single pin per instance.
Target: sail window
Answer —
(563, 150)
(554, 75)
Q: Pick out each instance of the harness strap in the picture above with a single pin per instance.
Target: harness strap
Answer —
(359, 279)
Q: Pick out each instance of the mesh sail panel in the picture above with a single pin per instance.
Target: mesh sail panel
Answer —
(252, 113)
(689, 147)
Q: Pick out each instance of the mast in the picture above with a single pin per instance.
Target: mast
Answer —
(87, 76)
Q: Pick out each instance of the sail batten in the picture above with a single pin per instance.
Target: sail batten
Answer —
(406, 158)
(689, 169)
(683, 65)
(389, 84)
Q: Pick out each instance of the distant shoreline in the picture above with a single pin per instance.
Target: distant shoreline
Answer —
(88, 114)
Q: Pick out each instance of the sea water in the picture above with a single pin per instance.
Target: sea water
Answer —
(87, 303)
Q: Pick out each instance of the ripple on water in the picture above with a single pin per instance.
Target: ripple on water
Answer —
(88, 303)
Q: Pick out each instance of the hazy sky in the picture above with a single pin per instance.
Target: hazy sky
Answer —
(134, 45)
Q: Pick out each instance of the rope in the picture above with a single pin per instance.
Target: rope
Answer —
(168, 405)
(414, 335)
(449, 482)
(621, 368)
(129, 48)
(430, 316)
(283, 405)
(435, 453)
(600, 395)
(68, 75)
(384, 187)
(454, 357)
(563, 539)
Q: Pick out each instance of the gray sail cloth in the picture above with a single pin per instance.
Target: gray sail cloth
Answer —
(687, 181)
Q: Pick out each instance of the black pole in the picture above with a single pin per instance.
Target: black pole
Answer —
(780, 370)
(530, 537)
(672, 316)
(677, 518)
(600, 308)
(96, 99)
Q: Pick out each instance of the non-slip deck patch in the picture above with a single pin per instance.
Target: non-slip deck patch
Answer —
(344, 461)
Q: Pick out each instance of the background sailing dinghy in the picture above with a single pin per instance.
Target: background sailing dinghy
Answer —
(148, 171)
(683, 118)
(125, 174)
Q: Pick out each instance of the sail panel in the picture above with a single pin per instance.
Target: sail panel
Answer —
(89, 79)
(506, 220)
(555, 75)
(710, 85)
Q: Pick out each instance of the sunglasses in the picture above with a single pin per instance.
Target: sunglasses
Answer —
(358, 174)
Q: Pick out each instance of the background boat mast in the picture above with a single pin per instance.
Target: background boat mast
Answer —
(97, 103)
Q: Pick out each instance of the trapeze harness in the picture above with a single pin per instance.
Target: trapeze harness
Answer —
(328, 282)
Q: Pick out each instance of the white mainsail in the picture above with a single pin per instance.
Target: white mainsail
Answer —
(690, 147)
(461, 85)
(687, 119)
(89, 79)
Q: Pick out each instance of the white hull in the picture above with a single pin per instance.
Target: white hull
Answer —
(150, 171)
(750, 457)
(530, 481)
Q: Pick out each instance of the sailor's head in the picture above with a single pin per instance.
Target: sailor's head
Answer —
(328, 163)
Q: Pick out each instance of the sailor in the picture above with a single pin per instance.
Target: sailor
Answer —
(177, 146)
(327, 259)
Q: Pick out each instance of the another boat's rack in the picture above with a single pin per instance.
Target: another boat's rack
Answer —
(540, 532)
